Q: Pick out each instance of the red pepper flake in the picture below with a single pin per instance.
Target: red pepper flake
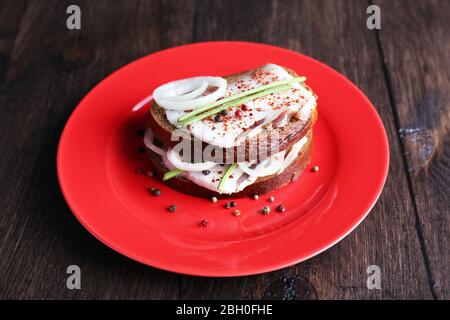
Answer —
(239, 113)
(204, 223)
(244, 107)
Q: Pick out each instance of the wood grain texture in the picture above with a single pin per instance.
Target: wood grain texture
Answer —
(333, 32)
(419, 81)
(51, 69)
(45, 70)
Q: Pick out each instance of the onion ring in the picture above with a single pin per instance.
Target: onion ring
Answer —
(142, 103)
(188, 94)
(148, 142)
(293, 153)
(266, 167)
(174, 158)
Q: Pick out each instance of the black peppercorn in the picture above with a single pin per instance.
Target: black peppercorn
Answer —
(155, 191)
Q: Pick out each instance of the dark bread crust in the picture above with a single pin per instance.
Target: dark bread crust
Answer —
(260, 186)
(257, 148)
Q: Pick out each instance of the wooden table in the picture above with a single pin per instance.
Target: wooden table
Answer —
(45, 70)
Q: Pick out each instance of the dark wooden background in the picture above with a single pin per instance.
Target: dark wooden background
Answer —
(403, 68)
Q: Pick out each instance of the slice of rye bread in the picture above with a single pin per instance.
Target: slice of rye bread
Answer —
(256, 148)
(261, 186)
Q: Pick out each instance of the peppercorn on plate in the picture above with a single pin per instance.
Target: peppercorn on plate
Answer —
(222, 159)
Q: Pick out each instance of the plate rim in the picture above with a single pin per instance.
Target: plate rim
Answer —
(270, 266)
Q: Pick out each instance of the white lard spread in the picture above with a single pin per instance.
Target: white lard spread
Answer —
(276, 108)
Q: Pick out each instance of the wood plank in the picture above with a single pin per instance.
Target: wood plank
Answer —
(415, 40)
(52, 69)
(334, 32)
(49, 68)
(11, 14)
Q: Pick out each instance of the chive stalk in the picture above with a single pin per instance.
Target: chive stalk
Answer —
(171, 174)
(240, 95)
(235, 102)
(226, 175)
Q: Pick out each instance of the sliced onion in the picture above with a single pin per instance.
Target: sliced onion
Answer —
(187, 94)
(142, 103)
(190, 93)
(148, 142)
(167, 163)
(266, 167)
(174, 158)
(293, 153)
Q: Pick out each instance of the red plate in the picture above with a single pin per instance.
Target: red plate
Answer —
(97, 157)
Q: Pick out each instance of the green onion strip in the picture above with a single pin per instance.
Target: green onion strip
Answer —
(237, 99)
(226, 175)
(171, 174)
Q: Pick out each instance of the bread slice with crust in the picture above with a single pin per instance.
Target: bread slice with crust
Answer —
(261, 186)
(257, 148)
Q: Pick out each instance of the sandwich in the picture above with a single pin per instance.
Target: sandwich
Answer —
(233, 136)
